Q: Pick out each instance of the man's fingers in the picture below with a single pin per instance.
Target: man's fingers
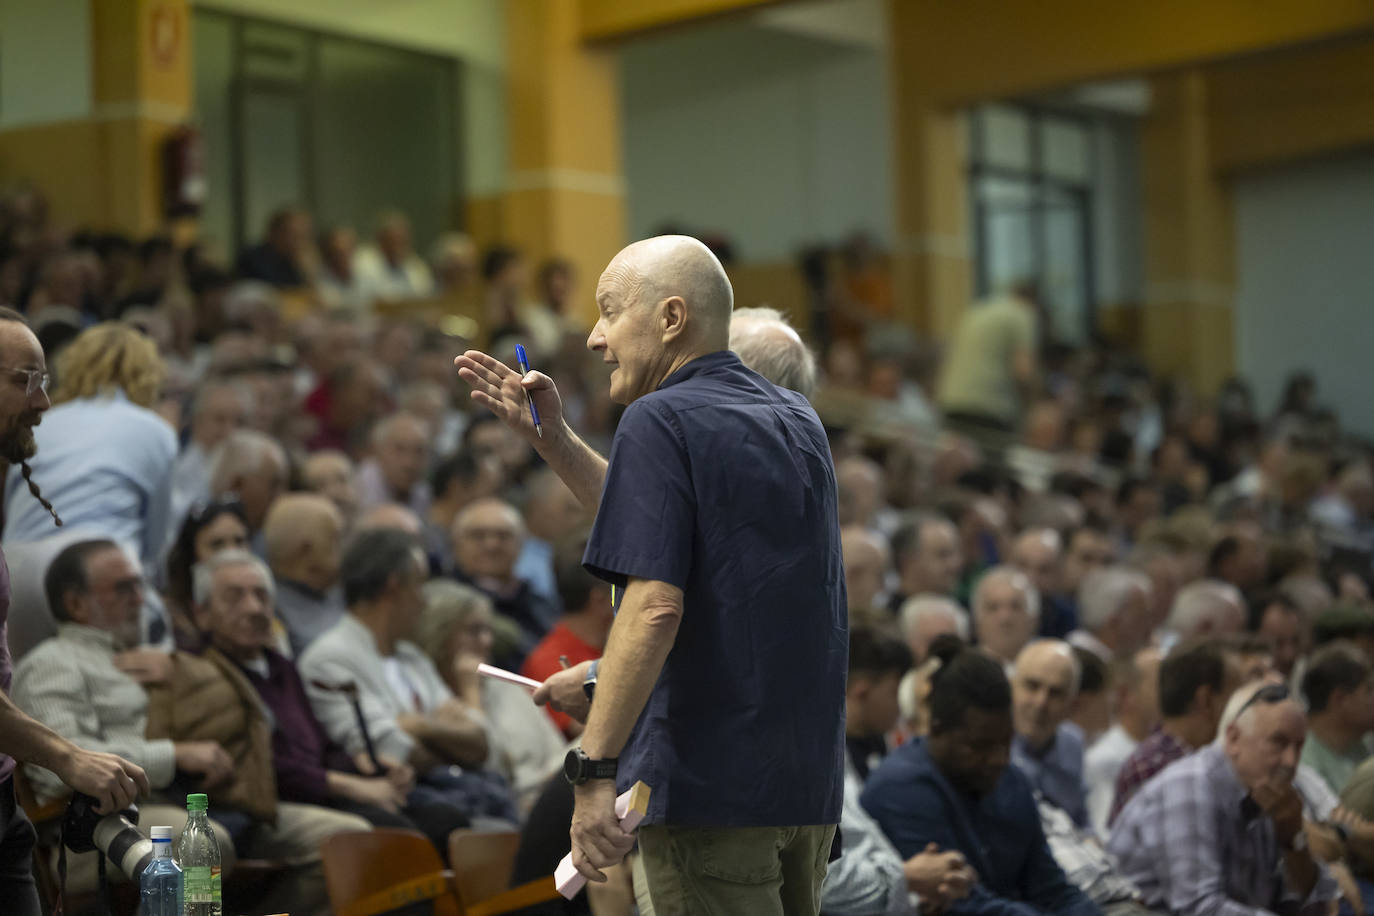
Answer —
(585, 867)
(542, 694)
(488, 367)
(140, 777)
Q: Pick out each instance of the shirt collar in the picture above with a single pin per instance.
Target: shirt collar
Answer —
(1231, 794)
(717, 360)
(79, 632)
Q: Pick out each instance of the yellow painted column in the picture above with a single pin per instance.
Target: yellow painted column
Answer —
(1188, 318)
(141, 73)
(932, 257)
(565, 187)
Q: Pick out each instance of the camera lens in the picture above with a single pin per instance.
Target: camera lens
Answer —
(123, 844)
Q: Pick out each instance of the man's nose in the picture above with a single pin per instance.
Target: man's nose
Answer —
(596, 340)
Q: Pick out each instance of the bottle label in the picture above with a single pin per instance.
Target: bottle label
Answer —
(202, 884)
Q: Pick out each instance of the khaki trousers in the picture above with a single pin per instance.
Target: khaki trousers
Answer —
(734, 871)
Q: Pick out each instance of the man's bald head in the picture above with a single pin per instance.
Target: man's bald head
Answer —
(661, 303)
(659, 268)
(303, 534)
(487, 536)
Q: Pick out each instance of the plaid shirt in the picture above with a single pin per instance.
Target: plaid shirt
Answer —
(1196, 845)
(1154, 754)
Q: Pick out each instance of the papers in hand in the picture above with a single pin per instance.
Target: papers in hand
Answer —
(510, 677)
(630, 807)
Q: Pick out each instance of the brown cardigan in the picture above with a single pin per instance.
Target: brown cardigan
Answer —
(209, 699)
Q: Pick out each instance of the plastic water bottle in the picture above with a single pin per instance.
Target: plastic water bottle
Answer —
(198, 853)
(160, 886)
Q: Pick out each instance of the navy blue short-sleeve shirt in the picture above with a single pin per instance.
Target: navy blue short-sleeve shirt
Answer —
(723, 485)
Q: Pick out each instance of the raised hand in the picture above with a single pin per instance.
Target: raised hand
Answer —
(500, 389)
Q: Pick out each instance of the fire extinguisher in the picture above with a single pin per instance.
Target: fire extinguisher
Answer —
(183, 173)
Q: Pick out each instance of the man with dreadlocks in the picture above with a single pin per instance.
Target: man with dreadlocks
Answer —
(111, 780)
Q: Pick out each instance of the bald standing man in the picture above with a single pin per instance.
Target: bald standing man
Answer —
(304, 538)
(722, 685)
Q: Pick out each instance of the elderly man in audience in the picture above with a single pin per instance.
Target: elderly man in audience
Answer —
(408, 712)
(1113, 615)
(330, 474)
(955, 789)
(1195, 680)
(1048, 748)
(203, 725)
(861, 489)
(925, 618)
(928, 558)
(234, 593)
(870, 877)
(486, 543)
(768, 344)
(1038, 552)
(1006, 610)
(1339, 688)
(220, 407)
(866, 560)
(1282, 624)
(396, 470)
(1207, 608)
(303, 536)
(1136, 689)
(1221, 832)
(552, 514)
(253, 467)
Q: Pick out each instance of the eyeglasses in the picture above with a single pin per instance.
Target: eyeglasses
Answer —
(34, 379)
(1273, 693)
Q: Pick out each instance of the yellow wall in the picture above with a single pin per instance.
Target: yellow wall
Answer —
(600, 19)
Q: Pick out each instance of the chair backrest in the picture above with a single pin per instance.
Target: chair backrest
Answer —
(384, 869)
(482, 863)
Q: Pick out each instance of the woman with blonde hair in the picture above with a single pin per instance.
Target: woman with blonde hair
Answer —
(455, 630)
(104, 456)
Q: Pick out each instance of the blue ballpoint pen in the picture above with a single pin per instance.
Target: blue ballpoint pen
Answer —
(523, 361)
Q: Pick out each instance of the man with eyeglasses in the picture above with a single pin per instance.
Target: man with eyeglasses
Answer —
(1221, 832)
(115, 782)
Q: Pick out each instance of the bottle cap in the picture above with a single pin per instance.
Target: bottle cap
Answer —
(197, 802)
(161, 833)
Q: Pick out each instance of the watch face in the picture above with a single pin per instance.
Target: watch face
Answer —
(572, 767)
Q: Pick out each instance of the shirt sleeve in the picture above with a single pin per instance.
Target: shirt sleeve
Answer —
(48, 689)
(339, 721)
(912, 817)
(867, 879)
(161, 455)
(646, 521)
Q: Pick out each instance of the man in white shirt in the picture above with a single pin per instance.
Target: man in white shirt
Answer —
(1137, 714)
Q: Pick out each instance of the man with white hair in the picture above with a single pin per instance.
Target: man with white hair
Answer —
(1006, 611)
(768, 344)
(1207, 608)
(710, 463)
(1221, 832)
(926, 617)
(396, 470)
(1048, 748)
(1113, 613)
(252, 466)
(303, 536)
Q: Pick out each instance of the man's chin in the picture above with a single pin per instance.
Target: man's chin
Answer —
(18, 445)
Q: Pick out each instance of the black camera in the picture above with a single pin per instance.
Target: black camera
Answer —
(116, 835)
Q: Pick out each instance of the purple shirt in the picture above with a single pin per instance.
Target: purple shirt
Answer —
(6, 668)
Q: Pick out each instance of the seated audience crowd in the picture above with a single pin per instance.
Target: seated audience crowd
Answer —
(1109, 649)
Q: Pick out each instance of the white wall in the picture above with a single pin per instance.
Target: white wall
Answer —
(1305, 296)
(775, 138)
(45, 61)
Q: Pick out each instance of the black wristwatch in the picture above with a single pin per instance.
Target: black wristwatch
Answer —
(578, 767)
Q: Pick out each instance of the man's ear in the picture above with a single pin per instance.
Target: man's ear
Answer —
(75, 606)
(673, 315)
(200, 616)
